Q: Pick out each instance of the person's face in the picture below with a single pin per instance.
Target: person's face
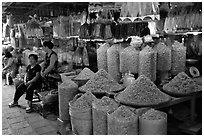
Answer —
(32, 60)
(45, 49)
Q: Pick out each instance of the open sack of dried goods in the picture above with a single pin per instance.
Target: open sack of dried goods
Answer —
(100, 109)
(83, 76)
(67, 90)
(129, 60)
(182, 85)
(178, 58)
(147, 63)
(101, 83)
(139, 111)
(122, 122)
(143, 92)
(102, 56)
(68, 76)
(153, 122)
(81, 113)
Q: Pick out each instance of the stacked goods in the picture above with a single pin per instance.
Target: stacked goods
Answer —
(178, 58)
(153, 122)
(113, 62)
(147, 63)
(81, 114)
(84, 76)
(129, 60)
(102, 57)
(102, 82)
(182, 84)
(143, 92)
(122, 122)
(100, 109)
(67, 91)
(33, 28)
(163, 57)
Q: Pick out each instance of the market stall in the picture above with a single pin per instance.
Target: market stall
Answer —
(122, 65)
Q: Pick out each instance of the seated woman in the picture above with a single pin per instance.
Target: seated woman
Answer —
(10, 65)
(32, 81)
(49, 66)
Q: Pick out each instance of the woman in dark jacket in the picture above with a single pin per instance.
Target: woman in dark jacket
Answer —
(32, 81)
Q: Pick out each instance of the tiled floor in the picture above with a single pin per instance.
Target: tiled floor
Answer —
(15, 121)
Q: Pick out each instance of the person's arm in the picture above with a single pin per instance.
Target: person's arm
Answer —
(35, 79)
(25, 77)
(53, 59)
(10, 62)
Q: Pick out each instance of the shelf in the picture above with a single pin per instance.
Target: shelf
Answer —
(183, 33)
(66, 37)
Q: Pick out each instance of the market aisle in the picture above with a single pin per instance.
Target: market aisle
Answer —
(15, 121)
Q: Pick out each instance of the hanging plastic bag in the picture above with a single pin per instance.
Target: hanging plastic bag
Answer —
(107, 32)
(10, 20)
(78, 56)
(84, 31)
(85, 57)
(6, 31)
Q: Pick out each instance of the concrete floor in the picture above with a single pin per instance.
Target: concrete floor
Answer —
(15, 121)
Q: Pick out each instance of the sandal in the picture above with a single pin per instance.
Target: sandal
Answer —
(29, 109)
(13, 104)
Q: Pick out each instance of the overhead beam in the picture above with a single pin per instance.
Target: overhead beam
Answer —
(17, 7)
(41, 5)
(8, 5)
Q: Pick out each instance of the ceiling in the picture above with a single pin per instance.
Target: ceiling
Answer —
(22, 10)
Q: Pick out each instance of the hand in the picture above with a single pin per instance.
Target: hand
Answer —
(43, 74)
(28, 83)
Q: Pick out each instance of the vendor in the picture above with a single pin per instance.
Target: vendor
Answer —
(8, 49)
(32, 81)
(10, 65)
(50, 64)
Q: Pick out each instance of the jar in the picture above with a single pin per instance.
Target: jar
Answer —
(128, 79)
